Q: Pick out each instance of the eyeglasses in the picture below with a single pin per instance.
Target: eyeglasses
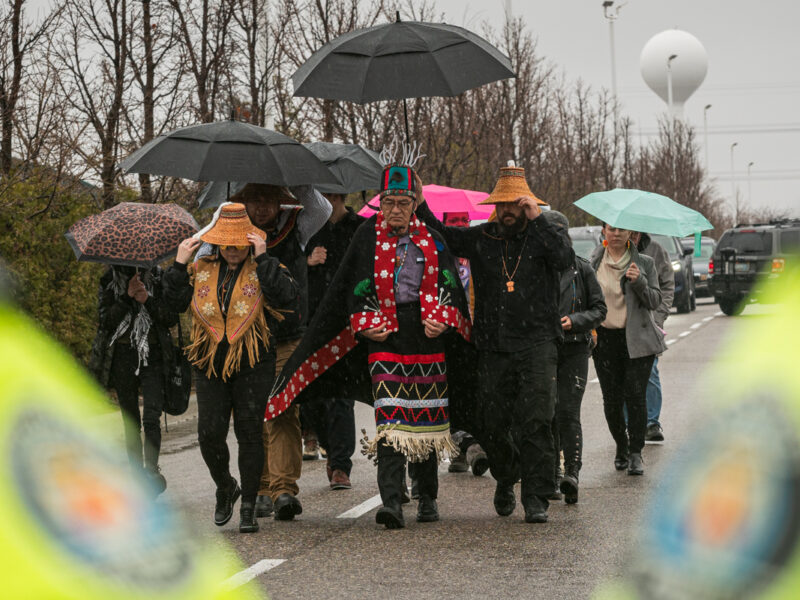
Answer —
(390, 204)
(234, 247)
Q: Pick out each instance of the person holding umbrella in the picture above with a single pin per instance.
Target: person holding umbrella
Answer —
(515, 264)
(132, 352)
(628, 341)
(236, 296)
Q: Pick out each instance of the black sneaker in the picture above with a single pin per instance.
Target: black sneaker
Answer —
(621, 459)
(427, 511)
(504, 500)
(263, 506)
(569, 487)
(226, 498)
(391, 517)
(654, 433)
(247, 516)
(286, 507)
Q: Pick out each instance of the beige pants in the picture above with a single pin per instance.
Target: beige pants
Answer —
(283, 442)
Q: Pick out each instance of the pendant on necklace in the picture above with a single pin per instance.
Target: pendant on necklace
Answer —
(510, 285)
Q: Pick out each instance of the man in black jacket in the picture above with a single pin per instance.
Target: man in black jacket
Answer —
(515, 265)
(583, 308)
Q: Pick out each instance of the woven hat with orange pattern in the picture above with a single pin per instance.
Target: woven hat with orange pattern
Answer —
(510, 186)
(231, 227)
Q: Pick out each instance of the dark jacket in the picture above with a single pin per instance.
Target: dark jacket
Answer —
(279, 288)
(666, 275)
(112, 310)
(581, 300)
(509, 321)
(290, 254)
(335, 238)
(642, 299)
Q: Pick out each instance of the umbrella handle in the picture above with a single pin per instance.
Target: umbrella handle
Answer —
(405, 106)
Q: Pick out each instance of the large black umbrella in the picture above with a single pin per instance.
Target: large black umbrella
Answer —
(356, 167)
(131, 234)
(229, 151)
(404, 59)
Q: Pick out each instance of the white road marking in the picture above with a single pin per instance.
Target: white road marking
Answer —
(362, 508)
(718, 313)
(684, 334)
(252, 572)
(595, 380)
(707, 319)
(670, 342)
(696, 325)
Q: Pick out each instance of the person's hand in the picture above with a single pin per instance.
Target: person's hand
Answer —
(186, 249)
(433, 328)
(141, 296)
(318, 256)
(376, 334)
(632, 273)
(530, 206)
(418, 185)
(134, 283)
(259, 245)
(566, 323)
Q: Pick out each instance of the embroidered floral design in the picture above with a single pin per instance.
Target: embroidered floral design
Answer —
(202, 276)
(386, 245)
(203, 291)
(249, 290)
(315, 366)
(240, 308)
(208, 309)
(253, 276)
(384, 273)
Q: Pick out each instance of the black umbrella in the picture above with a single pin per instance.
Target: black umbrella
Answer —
(404, 59)
(131, 234)
(356, 167)
(229, 151)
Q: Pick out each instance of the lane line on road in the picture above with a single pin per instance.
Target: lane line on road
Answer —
(670, 342)
(251, 572)
(595, 380)
(718, 313)
(362, 508)
(707, 319)
(696, 325)
(684, 334)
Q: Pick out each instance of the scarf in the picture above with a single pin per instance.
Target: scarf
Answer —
(140, 329)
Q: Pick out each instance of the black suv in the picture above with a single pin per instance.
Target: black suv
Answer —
(746, 253)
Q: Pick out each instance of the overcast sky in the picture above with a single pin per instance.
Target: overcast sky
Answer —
(753, 81)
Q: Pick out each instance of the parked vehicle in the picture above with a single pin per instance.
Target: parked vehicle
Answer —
(685, 300)
(746, 253)
(700, 263)
(586, 239)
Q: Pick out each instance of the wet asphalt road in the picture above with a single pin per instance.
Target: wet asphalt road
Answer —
(471, 552)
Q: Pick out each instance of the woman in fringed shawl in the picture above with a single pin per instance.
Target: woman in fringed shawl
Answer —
(132, 352)
(236, 296)
(397, 292)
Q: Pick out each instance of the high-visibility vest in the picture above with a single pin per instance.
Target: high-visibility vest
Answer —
(724, 519)
(76, 523)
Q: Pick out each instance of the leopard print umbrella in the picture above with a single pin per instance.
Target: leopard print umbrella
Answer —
(132, 234)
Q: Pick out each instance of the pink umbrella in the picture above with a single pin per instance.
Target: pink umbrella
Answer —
(444, 200)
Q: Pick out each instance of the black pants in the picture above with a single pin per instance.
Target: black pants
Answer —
(150, 381)
(334, 422)
(623, 381)
(573, 367)
(518, 391)
(391, 475)
(245, 394)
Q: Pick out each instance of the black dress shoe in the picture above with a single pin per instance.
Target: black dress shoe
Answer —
(504, 500)
(621, 459)
(427, 511)
(226, 498)
(569, 486)
(391, 517)
(636, 464)
(535, 510)
(247, 518)
(286, 507)
(264, 506)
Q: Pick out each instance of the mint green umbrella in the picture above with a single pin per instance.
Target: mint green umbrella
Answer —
(643, 211)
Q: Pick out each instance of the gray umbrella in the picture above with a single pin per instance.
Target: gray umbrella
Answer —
(356, 167)
(404, 59)
(229, 151)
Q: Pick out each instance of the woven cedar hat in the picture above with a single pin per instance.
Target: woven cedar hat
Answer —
(510, 186)
(231, 227)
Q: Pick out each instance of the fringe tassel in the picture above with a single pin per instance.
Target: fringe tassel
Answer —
(416, 446)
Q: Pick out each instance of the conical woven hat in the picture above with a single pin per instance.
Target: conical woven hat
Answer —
(232, 227)
(510, 186)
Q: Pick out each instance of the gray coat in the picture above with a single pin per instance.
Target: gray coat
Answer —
(666, 276)
(642, 298)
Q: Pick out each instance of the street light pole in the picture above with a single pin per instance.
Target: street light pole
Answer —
(705, 132)
(612, 16)
(749, 185)
(669, 84)
(733, 187)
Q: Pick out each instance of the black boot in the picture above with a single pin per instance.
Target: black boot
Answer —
(427, 511)
(226, 498)
(635, 464)
(535, 510)
(477, 459)
(286, 507)
(621, 458)
(157, 480)
(556, 494)
(247, 518)
(264, 506)
(504, 500)
(569, 485)
(390, 516)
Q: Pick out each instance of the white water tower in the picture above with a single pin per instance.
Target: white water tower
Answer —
(678, 57)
